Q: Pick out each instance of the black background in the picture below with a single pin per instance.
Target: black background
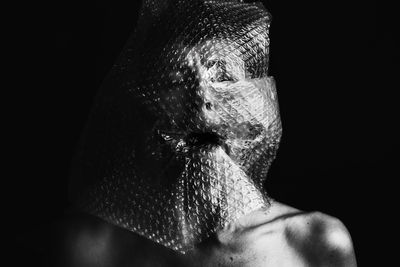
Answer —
(335, 64)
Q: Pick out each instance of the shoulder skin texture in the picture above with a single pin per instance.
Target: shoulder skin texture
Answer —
(320, 240)
(284, 237)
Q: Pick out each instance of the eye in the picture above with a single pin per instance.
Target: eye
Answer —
(220, 73)
(224, 76)
(210, 63)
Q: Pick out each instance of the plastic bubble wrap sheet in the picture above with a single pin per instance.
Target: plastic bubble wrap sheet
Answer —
(185, 126)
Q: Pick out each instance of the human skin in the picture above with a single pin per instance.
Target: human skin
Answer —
(205, 89)
(284, 236)
(278, 236)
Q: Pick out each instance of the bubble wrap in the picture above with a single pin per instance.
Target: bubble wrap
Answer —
(185, 126)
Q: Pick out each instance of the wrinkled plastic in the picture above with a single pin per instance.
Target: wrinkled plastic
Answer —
(185, 126)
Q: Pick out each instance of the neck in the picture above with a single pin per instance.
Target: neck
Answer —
(217, 195)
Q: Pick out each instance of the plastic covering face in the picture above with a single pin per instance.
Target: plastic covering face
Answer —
(185, 126)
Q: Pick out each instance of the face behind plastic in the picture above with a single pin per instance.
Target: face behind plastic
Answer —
(185, 127)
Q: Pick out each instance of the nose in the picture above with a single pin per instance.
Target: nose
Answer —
(207, 112)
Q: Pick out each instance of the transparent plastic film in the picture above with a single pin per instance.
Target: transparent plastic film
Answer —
(186, 125)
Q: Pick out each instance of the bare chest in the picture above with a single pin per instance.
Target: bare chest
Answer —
(251, 248)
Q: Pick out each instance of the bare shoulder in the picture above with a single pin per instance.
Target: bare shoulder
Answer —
(284, 236)
(89, 241)
(319, 239)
